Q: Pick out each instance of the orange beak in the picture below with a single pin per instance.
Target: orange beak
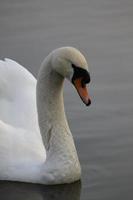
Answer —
(82, 91)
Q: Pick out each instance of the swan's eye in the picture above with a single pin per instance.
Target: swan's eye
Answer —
(81, 73)
(83, 83)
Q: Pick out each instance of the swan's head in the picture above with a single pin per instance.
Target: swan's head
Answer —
(71, 64)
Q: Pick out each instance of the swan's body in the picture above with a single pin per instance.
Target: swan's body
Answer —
(25, 154)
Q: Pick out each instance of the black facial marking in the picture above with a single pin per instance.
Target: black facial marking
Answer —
(81, 73)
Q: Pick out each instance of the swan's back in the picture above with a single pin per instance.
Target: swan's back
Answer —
(20, 139)
(17, 95)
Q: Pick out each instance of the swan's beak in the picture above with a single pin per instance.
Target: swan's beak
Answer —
(82, 91)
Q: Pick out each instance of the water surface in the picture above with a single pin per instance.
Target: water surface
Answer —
(103, 31)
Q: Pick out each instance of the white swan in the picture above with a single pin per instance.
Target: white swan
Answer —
(22, 153)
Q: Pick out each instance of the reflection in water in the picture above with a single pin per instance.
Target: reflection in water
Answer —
(26, 191)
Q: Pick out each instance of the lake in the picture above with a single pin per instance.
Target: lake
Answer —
(103, 133)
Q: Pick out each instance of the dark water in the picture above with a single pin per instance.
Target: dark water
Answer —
(103, 30)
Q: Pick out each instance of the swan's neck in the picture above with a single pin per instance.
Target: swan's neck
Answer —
(50, 101)
(56, 135)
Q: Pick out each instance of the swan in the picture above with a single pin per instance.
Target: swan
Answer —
(36, 144)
